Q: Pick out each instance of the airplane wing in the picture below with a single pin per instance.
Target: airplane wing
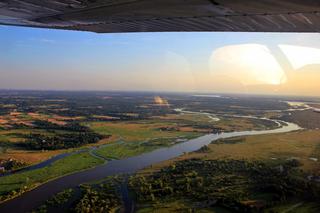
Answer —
(113, 16)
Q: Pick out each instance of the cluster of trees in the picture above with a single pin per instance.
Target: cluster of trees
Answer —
(95, 198)
(10, 164)
(60, 136)
(60, 198)
(73, 126)
(101, 198)
(60, 140)
(57, 200)
(227, 183)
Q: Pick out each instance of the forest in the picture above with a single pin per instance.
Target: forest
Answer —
(60, 141)
(236, 185)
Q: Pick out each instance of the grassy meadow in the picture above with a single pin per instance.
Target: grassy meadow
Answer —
(133, 138)
(303, 145)
(18, 183)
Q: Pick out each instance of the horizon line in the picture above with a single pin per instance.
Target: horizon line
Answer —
(158, 91)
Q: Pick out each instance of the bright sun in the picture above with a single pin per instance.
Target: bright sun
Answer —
(249, 63)
(300, 56)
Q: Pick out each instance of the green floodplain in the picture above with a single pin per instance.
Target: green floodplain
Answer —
(263, 173)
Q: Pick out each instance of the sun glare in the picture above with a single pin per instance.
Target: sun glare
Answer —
(300, 56)
(249, 63)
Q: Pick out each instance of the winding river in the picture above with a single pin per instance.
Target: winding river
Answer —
(32, 199)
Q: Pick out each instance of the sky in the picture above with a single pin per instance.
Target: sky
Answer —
(215, 62)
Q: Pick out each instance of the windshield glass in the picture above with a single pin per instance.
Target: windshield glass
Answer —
(159, 122)
(266, 63)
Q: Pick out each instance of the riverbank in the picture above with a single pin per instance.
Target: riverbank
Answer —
(130, 165)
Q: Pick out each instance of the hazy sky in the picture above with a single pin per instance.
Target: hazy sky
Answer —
(273, 63)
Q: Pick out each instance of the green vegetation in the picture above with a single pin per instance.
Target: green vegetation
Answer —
(228, 124)
(4, 138)
(138, 131)
(177, 205)
(60, 141)
(236, 185)
(251, 173)
(263, 160)
(183, 206)
(301, 145)
(138, 137)
(56, 201)
(60, 198)
(296, 207)
(58, 136)
(33, 122)
(16, 184)
(11, 164)
(102, 198)
(308, 119)
(233, 140)
(99, 196)
(121, 150)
